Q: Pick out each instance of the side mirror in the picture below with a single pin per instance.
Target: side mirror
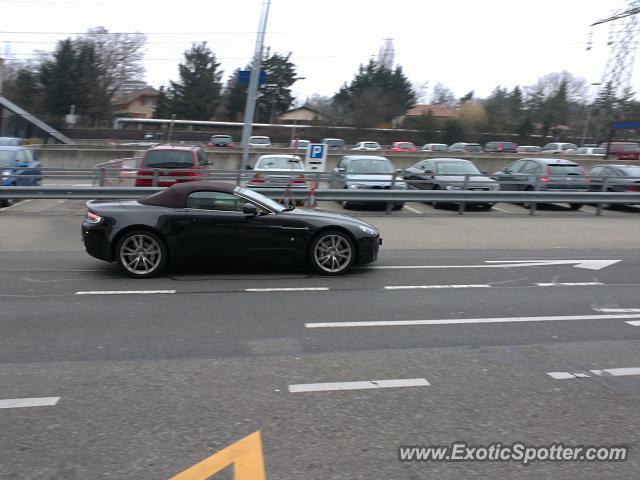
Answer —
(249, 209)
(341, 169)
(484, 171)
(398, 170)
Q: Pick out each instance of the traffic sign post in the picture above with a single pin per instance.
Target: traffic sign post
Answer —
(316, 159)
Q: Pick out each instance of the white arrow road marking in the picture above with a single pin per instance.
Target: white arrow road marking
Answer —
(617, 310)
(588, 264)
(635, 323)
(611, 372)
(365, 385)
(456, 321)
(29, 402)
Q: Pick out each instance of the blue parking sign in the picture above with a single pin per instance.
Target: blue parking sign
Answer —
(316, 157)
(316, 151)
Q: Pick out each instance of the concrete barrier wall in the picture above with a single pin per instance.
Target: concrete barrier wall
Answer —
(75, 157)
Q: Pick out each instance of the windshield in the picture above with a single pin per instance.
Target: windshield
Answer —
(599, 151)
(371, 145)
(565, 170)
(370, 165)
(473, 147)
(334, 143)
(221, 139)
(280, 163)
(456, 168)
(260, 140)
(439, 148)
(259, 198)
(631, 171)
(6, 158)
(168, 159)
(406, 145)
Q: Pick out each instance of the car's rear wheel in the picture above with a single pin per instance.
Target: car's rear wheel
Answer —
(5, 202)
(332, 253)
(141, 254)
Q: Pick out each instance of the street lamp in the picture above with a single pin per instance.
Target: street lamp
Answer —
(588, 118)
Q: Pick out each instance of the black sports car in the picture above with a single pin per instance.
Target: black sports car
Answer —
(214, 222)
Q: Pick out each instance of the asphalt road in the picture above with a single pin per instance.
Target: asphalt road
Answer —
(151, 383)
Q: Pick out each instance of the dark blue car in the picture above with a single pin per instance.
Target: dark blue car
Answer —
(18, 167)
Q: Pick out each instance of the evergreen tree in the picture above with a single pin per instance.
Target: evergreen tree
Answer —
(453, 131)
(28, 91)
(515, 104)
(60, 80)
(196, 95)
(164, 106)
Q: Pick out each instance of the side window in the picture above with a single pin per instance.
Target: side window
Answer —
(427, 166)
(220, 201)
(343, 163)
(597, 171)
(22, 157)
(516, 166)
(202, 158)
(529, 168)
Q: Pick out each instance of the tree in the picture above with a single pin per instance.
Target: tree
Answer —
(59, 79)
(27, 89)
(515, 104)
(453, 131)
(442, 96)
(198, 92)
(164, 105)
(473, 116)
(466, 98)
(375, 96)
(275, 97)
(497, 108)
(426, 124)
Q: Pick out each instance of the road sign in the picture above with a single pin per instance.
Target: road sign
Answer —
(245, 75)
(316, 157)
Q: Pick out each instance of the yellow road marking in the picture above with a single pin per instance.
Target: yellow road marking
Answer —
(245, 455)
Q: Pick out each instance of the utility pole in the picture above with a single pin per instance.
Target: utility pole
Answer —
(250, 106)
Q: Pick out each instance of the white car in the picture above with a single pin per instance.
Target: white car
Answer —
(560, 147)
(259, 141)
(300, 144)
(367, 146)
(593, 151)
(434, 147)
(528, 149)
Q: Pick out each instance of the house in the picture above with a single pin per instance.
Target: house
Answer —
(139, 103)
(436, 110)
(302, 114)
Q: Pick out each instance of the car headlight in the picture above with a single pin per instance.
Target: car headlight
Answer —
(400, 185)
(368, 230)
(453, 187)
(5, 174)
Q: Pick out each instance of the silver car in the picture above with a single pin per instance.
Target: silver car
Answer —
(278, 171)
(366, 172)
(449, 174)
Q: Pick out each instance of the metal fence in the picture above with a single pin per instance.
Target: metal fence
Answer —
(118, 180)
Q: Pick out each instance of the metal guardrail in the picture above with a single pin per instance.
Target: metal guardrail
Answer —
(352, 195)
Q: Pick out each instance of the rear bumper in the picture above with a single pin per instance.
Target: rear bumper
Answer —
(96, 241)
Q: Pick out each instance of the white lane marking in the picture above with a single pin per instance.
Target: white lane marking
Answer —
(588, 264)
(29, 402)
(288, 289)
(617, 310)
(610, 372)
(16, 204)
(414, 210)
(412, 287)
(575, 284)
(126, 292)
(457, 321)
(363, 385)
(635, 323)
(502, 210)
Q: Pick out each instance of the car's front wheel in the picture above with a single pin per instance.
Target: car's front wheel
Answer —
(332, 253)
(141, 254)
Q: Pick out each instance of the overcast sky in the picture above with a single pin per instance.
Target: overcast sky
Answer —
(466, 45)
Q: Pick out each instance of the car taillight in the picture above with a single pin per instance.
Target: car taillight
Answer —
(210, 144)
(633, 188)
(93, 218)
(257, 178)
(299, 179)
(545, 178)
(231, 145)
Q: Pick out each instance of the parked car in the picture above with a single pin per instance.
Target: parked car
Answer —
(623, 150)
(403, 147)
(547, 174)
(278, 171)
(434, 147)
(16, 161)
(221, 141)
(465, 147)
(614, 178)
(333, 143)
(216, 222)
(500, 147)
(170, 162)
(560, 148)
(449, 174)
(10, 141)
(528, 149)
(300, 144)
(367, 146)
(593, 151)
(366, 172)
(259, 141)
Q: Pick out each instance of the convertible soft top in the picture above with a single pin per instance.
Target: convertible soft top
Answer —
(176, 195)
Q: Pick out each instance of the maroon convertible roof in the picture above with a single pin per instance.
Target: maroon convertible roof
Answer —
(176, 196)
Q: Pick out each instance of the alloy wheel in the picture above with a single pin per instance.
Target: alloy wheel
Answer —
(140, 254)
(333, 253)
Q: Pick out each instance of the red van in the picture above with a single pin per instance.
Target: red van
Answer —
(171, 161)
(623, 150)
